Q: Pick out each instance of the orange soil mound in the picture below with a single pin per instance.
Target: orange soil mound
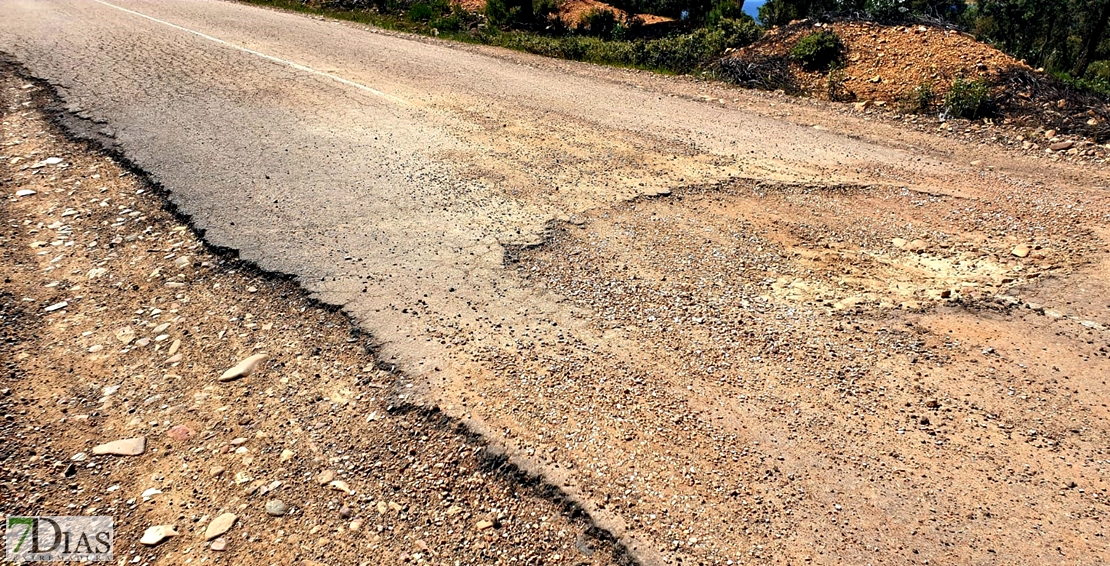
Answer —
(883, 63)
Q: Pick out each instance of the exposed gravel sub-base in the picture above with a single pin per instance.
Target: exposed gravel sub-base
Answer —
(116, 322)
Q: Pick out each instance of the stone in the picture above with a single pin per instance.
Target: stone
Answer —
(24, 193)
(355, 525)
(382, 508)
(217, 471)
(124, 447)
(1021, 250)
(183, 262)
(325, 477)
(454, 510)
(395, 506)
(932, 403)
(244, 368)
(483, 525)
(97, 273)
(179, 432)
(1050, 134)
(219, 545)
(1061, 146)
(976, 163)
(157, 534)
(174, 347)
(286, 455)
(95, 348)
(345, 512)
(56, 306)
(899, 243)
(220, 525)
(160, 328)
(52, 160)
(340, 485)
(125, 334)
(862, 105)
(916, 246)
(276, 508)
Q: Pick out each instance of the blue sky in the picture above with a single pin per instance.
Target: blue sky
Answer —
(752, 7)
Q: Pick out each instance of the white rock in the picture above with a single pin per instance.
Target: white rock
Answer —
(56, 306)
(219, 525)
(124, 447)
(244, 368)
(97, 272)
(24, 193)
(157, 534)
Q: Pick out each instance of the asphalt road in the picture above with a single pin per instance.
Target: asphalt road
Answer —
(408, 181)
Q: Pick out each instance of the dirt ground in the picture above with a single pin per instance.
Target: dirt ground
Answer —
(116, 322)
(882, 341)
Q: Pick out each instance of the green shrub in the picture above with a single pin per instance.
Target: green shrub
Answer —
(420, 12)
(837, 91)
(968, 99)
(818, 51)
(598, 22)
(919, 99)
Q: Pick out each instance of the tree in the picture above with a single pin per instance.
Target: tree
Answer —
(1093, 36)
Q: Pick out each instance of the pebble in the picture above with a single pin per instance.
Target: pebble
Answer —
(325, 477)
(124, 447)
(483, 524)
(1061, 146)
(382, 508)
(56, 306)
(179, 432)
(160, 328)
(340, 485)
(217, 471)
(183, 262)
(345, 512)
(125, 334)
(24, 193)
(276, 508)
(1020, 250)
(219, 525)
(174, 347)
(286, 455)
(244, 368)
(157, 534)
(219, 545)
(97, 273)
(355, 525)
(95, 348)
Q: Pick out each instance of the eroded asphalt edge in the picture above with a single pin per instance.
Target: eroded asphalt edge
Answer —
(499, 459)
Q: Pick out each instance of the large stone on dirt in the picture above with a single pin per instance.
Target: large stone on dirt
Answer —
(124, 447)
(220, 525)
(244, 368)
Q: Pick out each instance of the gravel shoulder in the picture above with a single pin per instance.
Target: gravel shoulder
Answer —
(117, 323)
(729, 326)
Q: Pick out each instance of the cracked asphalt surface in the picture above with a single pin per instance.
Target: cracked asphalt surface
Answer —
(732, 326)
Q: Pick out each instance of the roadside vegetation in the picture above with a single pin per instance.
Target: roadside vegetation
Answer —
(696, 37)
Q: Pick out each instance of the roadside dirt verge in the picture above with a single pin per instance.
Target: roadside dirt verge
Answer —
(117, 322)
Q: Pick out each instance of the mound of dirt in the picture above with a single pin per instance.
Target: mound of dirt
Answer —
(883, 64)
(572, 11)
